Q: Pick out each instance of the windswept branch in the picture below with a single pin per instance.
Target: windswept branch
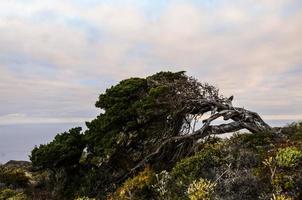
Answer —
(241, 119)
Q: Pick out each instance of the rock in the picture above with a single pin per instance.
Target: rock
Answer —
(17, 163)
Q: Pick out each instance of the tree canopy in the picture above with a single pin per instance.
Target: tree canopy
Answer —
(65, 150)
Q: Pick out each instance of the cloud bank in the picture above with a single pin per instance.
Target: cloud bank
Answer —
(57, 56)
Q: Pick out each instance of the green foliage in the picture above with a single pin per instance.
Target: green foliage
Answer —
(168, 76)
(161, 185)
(293, 131)
(201, 165)
(201, 189)
(136, 188)
(61, 158)
(137, 109)
(126, 91)
(65, 150)
(196, 166)
(288, 157)
(238, 178)
(93, 182)
(253, 141)
(280, 197)
(13, 176)
(118, 102)
(8, 194)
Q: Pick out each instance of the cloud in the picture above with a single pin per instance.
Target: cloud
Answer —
(283, 117)
(57, 56)
(19, 118)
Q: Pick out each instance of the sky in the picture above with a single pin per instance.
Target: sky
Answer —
(57, 56)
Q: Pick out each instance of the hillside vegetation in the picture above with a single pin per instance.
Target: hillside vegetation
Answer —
(148, 142)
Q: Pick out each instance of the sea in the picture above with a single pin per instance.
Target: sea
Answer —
(17, 141)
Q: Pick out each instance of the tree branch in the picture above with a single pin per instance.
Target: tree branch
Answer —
(242, 119)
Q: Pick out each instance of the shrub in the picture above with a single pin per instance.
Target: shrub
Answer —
(13, 176)
(252, 141)
(288, 157)
(94, 182)
(203, 164)
(8, 194)
(293, 131)
(280, 197)
(161, 184)
(239, 184)
(201, 190)
(138, 187)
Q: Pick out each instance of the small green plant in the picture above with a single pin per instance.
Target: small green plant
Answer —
(161, 184)
(201, 190)
(280, 197)
(269, 162)
(288, 157)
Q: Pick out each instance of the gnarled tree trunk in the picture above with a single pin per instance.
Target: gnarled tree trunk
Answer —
(174, 148)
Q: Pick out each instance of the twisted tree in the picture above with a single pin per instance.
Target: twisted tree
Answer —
(153, 121)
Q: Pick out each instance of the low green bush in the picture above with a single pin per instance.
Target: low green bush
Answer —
(201, 189)
(8, 194)
(288, 157)
(13, 176)
(293, 131)
(201, 165)
(136, 188)
(252, 141)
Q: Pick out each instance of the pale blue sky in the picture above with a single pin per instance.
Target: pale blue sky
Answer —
(57, 56)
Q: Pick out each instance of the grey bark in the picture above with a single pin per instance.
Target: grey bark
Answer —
(182, 145)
